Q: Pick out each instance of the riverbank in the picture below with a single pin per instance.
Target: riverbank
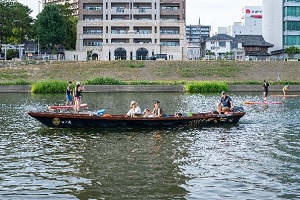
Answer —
(148, 88)
(164, 71)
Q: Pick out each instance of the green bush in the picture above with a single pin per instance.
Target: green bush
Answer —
(105, 81)
(49, 86)
(206, 87)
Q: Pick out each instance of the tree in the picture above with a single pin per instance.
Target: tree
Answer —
(51, 27)
(16, 23)
(71, 24)
(292, 51)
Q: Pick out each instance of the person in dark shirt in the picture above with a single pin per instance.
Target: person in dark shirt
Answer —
(265, 88)
(157, 111)
(68, 94)
(77, 96)
(225, 104)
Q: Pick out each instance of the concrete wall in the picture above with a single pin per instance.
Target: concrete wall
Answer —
(149, 88)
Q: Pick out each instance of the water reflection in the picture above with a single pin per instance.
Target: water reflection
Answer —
(256, 159)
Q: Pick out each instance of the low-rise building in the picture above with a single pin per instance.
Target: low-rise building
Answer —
(240, 47)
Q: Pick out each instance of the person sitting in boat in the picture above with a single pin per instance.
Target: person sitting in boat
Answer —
(134, 110)
(225, 104)
(285, 89)
(147, 113)
(157, 111)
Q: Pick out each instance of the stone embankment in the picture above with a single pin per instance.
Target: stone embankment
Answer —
(148, 88)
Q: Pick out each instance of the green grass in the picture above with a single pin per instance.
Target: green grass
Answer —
(206, 87)
(51, 86)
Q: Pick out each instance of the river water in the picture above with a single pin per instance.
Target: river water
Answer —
(257, 159)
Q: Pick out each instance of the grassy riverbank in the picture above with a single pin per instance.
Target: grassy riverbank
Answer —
(181, 72)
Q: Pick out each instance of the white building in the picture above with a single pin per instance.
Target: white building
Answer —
(131, 29)
(252, 22)
(281, 23)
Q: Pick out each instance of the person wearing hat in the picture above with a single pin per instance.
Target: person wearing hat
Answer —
(77, 96)
(135, 109)
(285, 89)
(225, 104)
(68, 94)
(157, 111)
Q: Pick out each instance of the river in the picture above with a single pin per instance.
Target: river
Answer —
(256, 159)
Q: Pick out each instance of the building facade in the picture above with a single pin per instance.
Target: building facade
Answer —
(131, 29)
(195, 39)
(251, 24)
(281, 23)
(74, 4)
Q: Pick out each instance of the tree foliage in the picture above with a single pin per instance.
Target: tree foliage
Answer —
(51, 27)
(56, 26)
(292, 51)
(16, 23)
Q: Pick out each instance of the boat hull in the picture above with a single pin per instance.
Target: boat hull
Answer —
(71, 120)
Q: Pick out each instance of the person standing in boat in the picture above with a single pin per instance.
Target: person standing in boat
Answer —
(157, 111)
(135, 109)
(77, 96)
(225, 104)
(68, 94)
(265, 88)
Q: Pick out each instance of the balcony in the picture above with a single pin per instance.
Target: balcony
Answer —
(122, 11)
(140, 11)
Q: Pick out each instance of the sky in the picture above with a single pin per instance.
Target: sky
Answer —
(215, 13)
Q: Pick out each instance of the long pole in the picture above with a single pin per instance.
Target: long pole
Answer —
(38, 31)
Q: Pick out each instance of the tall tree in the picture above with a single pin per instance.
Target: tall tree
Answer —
(51, 27)
(15, 23)
(71, 24)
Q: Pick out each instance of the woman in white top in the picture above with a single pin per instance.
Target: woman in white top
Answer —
(135, 109)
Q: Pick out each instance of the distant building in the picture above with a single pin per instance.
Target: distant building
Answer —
(240, 47)
(74, 4)
(219, 45)
(195, 39)
(255, 46)
(130, 29)
(281, 23)
(252, 22)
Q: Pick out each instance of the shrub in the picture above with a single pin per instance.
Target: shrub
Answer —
(49, 86)
(206, 87)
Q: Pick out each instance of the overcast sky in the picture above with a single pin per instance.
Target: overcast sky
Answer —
(211, 12)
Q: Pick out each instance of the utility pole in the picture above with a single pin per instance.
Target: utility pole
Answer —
(200, 40)
(38, 32)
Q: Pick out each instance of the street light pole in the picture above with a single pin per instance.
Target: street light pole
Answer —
(38, 31)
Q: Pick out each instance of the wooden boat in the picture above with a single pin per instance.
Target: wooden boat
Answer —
(287, 95)
(84, 105)
(259, 102)
(64, 120)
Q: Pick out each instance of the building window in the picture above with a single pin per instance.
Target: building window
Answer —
(222, 44)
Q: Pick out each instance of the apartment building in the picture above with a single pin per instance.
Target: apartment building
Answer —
(281, 23)
(195, 36)
(74, 4)
(131, 29)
